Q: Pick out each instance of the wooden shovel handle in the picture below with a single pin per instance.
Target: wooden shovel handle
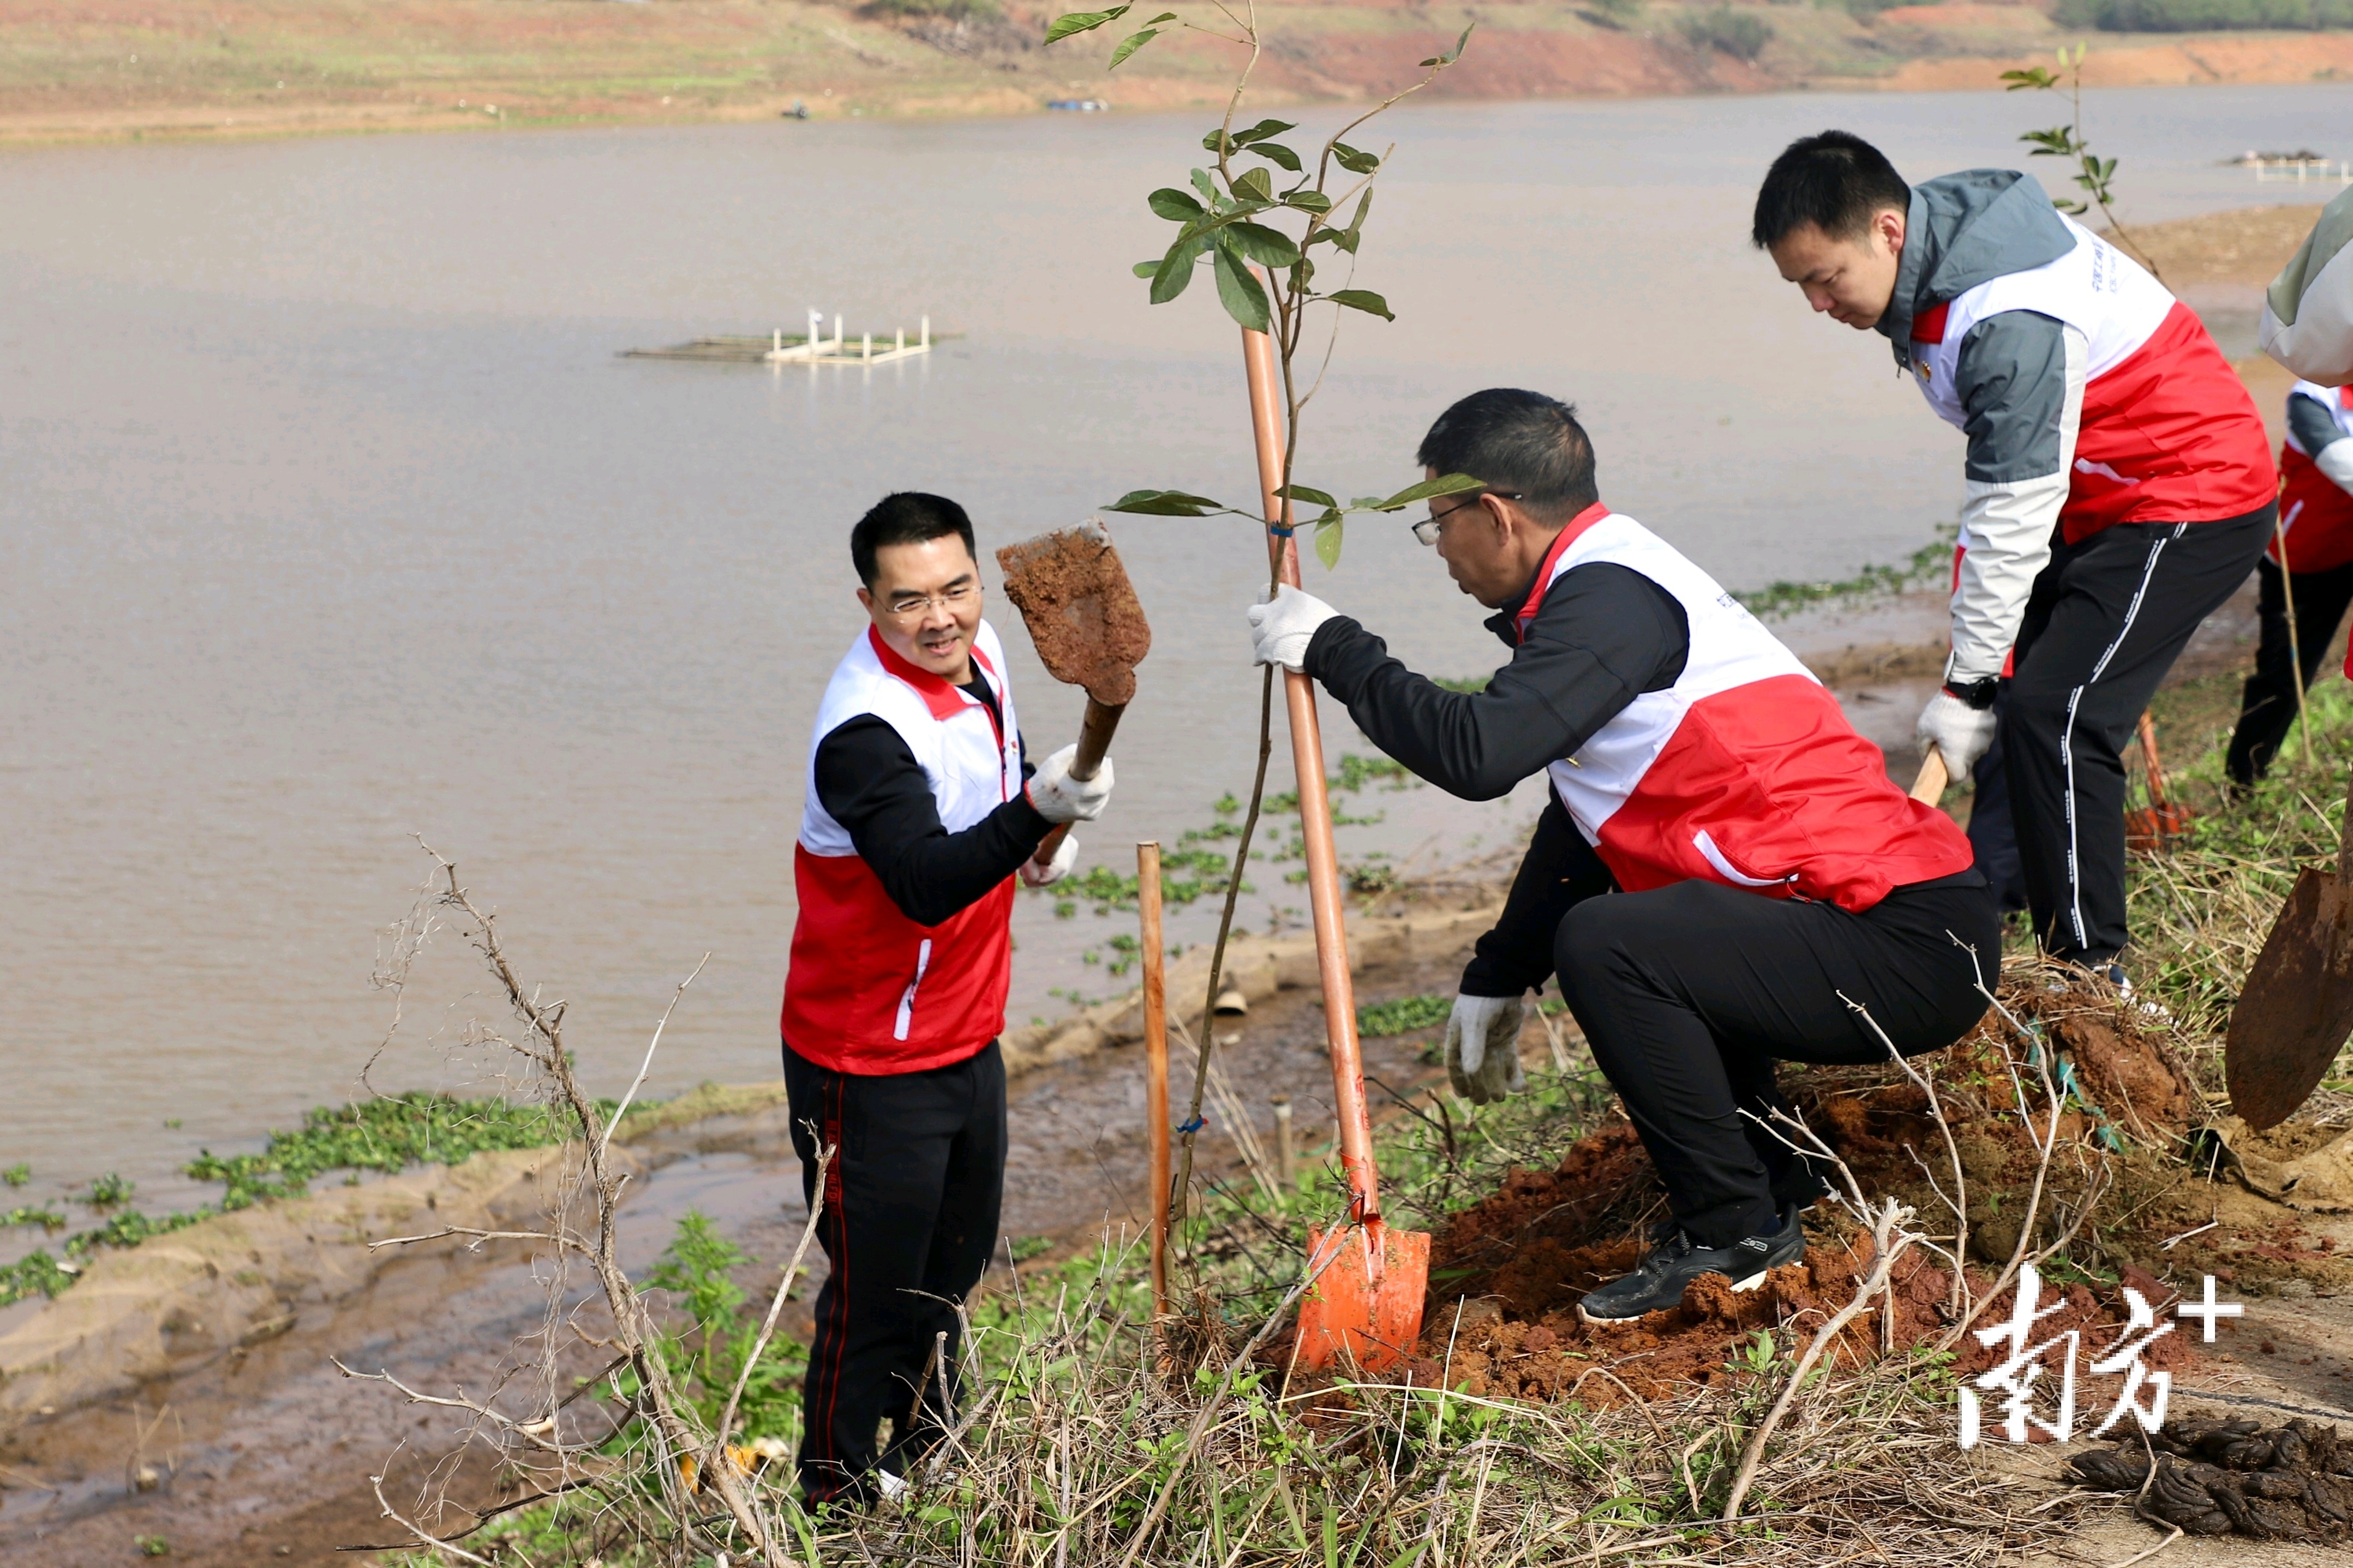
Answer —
(1095, 731)
(1929, 785)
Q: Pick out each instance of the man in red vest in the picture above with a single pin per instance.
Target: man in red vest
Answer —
(1762, 870)
(2317, 527)
(916, 820)
(2119, 483)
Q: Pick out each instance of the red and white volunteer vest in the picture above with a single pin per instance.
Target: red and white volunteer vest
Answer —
(1744, 772)
(2316, 516)
(2168, 433)
(869, 990)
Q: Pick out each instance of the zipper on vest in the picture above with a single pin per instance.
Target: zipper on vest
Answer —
(907, 1001)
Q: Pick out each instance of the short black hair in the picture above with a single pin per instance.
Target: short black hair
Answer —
(906, 517)
(1834, 181)
(1514, 440)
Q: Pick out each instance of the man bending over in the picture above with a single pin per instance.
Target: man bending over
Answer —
(1760, 868)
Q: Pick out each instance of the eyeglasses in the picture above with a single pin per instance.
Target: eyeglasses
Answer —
(1427, 529)
(950, 599)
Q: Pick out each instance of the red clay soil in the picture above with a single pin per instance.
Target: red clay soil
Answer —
(1508, 1271)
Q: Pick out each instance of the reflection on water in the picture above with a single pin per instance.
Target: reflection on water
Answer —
(330, 517)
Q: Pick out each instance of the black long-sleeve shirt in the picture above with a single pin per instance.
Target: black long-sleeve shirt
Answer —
(870, 783)
(1603, 636)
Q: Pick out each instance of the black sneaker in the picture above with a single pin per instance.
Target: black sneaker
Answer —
(1674, 1264)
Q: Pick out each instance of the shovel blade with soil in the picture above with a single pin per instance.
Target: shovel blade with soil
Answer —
(2296, 1008)
(1088, 627)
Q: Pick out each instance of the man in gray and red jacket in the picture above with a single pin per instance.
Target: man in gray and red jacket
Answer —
(920, 811)
(2119, 484)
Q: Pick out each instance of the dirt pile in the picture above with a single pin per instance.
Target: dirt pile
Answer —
(1507, 1272)
(2220, 1477)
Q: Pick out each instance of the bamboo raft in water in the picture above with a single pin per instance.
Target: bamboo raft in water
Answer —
(811, 347)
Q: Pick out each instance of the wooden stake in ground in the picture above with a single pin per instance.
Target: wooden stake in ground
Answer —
(1155, 1060)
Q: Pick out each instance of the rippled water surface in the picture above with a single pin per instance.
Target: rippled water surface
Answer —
(329, 517)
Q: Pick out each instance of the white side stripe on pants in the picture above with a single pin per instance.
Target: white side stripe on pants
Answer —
(2067, 734)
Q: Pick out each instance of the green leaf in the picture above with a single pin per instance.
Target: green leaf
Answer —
(1302, 274)
(1258, 186)
(1303, 492)
(1456, 54)
(1129, 44)
(1207, 187)
(1327, 542)
(1363, 300)
(1308, 201)
(1076, 22)
(1276, 153)
(1240, 292)
(1176, 271)
(1173, 204)
(1352, 161)
(1266, 247)
(1146, 268)
(1258, 133)
(1444, 485)
(1165, 503)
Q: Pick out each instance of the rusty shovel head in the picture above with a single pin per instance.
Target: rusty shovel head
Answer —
(1075, 598)
(2294, 1013)
(1362, 1310)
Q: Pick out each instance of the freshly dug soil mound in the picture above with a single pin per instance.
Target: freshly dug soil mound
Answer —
(1506, 1273)
(2222, 1476)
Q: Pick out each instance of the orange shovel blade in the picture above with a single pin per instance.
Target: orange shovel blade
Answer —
(1346, 1314)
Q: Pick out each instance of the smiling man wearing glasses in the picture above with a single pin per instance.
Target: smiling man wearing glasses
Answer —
(920, 812)
(1761, 866)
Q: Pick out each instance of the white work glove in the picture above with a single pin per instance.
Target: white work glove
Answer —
(1066, 857)
(1282, 628)
(1059, 797)
(1960, 732)
(1483, 1047)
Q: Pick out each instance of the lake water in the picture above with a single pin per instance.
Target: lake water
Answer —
(328, 517)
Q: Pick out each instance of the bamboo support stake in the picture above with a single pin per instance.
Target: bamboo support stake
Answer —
(1155, 1060)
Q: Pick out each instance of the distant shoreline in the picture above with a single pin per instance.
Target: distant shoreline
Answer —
(125, 71)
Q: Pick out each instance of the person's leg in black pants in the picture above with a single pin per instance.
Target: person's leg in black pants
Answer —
(1993, 833)
(1687, 993)
(911, 1199)
(2269, 707)
(2105, 622)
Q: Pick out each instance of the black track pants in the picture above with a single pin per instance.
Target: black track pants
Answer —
(1688, 994)
(910, 1221)
(2105, 622)
(2269, 707)
(1993, 833)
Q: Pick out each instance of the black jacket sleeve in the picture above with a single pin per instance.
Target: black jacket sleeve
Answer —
(1604, 635)
(871, 785)
(1560, 870)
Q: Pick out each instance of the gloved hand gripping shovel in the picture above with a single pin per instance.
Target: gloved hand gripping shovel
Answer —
(1366, 1307)
(1089, 630)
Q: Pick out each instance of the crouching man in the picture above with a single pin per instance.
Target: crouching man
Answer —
(917, 819)
(1763, 870)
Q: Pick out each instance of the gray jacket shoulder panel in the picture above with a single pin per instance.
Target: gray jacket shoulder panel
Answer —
(2313, 428)
(2010, 375)
(1966, 229)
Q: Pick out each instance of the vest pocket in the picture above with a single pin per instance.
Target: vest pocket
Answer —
(907, 1000)
(1705, 842)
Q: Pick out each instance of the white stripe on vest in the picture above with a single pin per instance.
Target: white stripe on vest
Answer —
(1729, 648)
(2095, 288)
(971, 772)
